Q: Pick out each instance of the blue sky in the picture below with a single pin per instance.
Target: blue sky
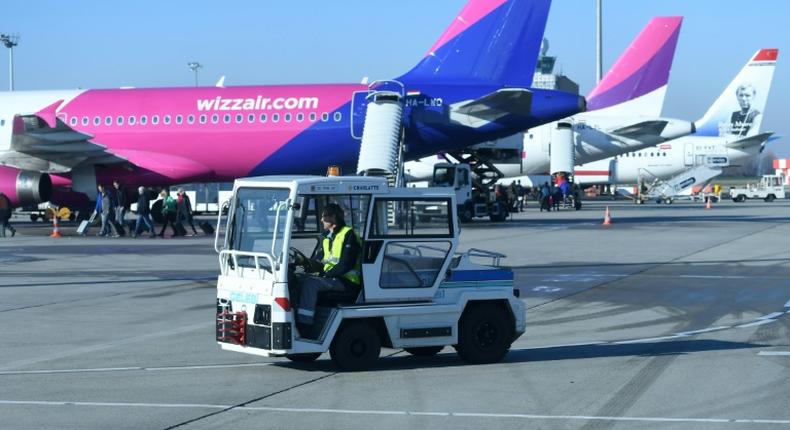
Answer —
(144, 43)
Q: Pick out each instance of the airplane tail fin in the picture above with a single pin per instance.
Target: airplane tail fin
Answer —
(738, 111)
(489, 42)
(637, 83)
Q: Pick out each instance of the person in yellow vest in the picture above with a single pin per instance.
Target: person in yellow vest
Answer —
(338, 264)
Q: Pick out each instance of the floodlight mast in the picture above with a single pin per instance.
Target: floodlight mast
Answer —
(194, 65)
(10, 41)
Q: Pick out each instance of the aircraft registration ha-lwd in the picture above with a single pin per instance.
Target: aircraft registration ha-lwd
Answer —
(726, 135)
(624, 111)
(472, 86)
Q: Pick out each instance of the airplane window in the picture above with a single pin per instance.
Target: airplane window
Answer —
(120, 120)
(239, 118)
(263, 117)
(73, 120)
(108, 120)
(132, 120)
(338, 116)
(251, 118)
(275, 117)
(203, 119)
(324, 117)
(300, 117)
(640, 154)
(155, 119)
(179, 119)
(287, 117)
(143, 120)
(191, 119)
(312, 116)
(226, 118)
(214, 119)
(665, 154)
(96, 120)
(85, 120)
(2, 122)
(167, 119)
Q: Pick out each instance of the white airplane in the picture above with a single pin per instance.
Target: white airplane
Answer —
(728, 134)
(623, 111)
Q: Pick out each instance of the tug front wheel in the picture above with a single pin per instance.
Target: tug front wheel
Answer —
(484, 334)
(356, 346)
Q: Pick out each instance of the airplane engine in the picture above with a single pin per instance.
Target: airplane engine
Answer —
(562, 153)
(23, 187)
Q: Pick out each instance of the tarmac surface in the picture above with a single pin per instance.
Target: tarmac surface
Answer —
(673, 317)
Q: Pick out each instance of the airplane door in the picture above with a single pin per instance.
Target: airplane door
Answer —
(359, 107)
(688, 158)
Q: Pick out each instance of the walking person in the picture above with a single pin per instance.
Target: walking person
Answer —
(120, 202)
(168, 213)
(5, 216)
(143, 214)
(104, 209)
(184, 209)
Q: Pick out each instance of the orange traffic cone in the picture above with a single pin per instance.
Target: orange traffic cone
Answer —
(607, 219)
(708, 205)
(55, 230)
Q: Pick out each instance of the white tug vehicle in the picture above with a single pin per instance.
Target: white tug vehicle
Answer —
(417, 292)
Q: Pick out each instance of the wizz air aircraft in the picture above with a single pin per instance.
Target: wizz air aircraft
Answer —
(472, 86)
(726, 135)
(623, 110)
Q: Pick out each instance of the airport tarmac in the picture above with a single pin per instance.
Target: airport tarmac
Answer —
(673, 317)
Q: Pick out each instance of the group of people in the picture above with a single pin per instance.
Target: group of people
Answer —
(557, 193)
(112, 205)
(513, 196)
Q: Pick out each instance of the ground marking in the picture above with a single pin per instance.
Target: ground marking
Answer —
(781, 353)
(755, 323)
(402, 413)
(135, 368)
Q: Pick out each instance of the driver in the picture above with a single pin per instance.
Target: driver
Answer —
(337, 265)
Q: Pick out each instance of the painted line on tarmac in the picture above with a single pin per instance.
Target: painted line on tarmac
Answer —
(771, 316)
(774, 353)
(704, 330)
(109, 345)
(399, 413)
(787, 305)
(133, 368)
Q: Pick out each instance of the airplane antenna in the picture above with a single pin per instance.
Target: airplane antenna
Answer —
(194, 65)
(10, 41)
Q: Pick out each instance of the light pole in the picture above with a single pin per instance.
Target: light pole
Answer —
(194, 65)
(10, 41)
(599, 41)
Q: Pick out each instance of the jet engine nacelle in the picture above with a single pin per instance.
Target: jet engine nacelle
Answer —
(23, 187)
(562, 152)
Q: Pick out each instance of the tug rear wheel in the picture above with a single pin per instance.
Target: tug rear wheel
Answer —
(484, 334)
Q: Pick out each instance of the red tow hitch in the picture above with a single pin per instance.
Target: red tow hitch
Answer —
(232, 327)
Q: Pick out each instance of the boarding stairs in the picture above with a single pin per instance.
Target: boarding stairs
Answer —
(666, 189)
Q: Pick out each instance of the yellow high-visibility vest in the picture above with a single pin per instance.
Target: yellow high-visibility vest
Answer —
(332, 256)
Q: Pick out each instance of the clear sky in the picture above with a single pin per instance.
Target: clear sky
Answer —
(144, 43)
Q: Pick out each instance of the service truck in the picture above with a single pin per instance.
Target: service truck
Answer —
(770, 188)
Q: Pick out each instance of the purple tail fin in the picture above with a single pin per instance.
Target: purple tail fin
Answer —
(490, 41)
(642, 69)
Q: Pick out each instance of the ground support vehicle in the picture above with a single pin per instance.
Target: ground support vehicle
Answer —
(474, 191)
(417, 293)
(770, 188)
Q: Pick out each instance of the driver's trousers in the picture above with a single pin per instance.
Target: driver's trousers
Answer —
(308, 288)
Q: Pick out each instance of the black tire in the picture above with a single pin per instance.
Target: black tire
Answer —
(303, 358)
(356, 346)
(484, 334)
(33, 217)
(770, 197)
(741, 198)
(466, 213)
(424, 351)
(502, 213)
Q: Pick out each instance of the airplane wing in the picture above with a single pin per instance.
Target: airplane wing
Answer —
(654, 131)
(491, 107)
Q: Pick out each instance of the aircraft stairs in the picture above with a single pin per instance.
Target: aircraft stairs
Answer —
(666, 189)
